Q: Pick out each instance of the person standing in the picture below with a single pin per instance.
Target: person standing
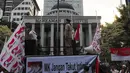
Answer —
(68, 38)
(114, 70)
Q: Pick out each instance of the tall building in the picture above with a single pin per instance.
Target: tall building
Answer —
(46, 26)
(74, 7)
(13, 10)
(1, 13)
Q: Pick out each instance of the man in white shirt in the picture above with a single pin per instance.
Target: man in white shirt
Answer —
(114, 70)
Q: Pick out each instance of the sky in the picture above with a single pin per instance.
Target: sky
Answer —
(104, 8)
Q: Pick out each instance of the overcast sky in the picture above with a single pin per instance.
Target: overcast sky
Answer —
(105, 8)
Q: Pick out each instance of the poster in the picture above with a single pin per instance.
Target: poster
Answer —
(58, 64)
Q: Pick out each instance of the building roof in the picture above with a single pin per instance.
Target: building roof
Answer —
(63, 5)
(36, 4)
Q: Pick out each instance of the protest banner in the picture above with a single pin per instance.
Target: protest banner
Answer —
(57, 64)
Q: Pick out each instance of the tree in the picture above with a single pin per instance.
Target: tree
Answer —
(5, 30)
(116, 34)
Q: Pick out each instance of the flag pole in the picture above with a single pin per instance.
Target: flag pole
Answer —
(57, 27)
(11, 16)
(96, 17)
(71, 18)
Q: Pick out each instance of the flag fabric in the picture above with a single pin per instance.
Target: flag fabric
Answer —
(77, 33)
(96, 46)
(12, 55)
(120, 54)
(97, 64)
(96, 40)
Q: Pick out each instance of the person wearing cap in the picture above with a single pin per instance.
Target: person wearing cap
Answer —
(68, 38)
(123, 70)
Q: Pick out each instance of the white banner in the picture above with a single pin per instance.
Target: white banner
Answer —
(96, 40)
(12, 53)
(58, 64)
(115, 57)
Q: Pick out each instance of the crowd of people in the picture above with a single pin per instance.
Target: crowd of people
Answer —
(123, 69)
(115, 68)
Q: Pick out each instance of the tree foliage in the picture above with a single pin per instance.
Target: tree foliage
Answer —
(116, 34)
(4, 32)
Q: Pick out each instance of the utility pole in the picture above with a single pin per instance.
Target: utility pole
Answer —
(4, 7)
(57, 51)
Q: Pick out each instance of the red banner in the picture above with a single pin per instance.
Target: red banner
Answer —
(120, 51)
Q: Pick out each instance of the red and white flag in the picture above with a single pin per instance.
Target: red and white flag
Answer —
(96, 40)
(77, 34)
(12, 55)
(97, 65)
(120, 54)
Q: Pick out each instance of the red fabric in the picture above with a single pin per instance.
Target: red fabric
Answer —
(34, 63)
(120, 51)
(97, 65)
(76, 37)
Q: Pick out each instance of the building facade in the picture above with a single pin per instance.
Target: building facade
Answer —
(46, 26)
(13, 10)
(1, 13)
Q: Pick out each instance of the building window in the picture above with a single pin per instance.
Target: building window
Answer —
(14, 13)
(21, 13)
(7, 9)
(50, 12)
(7, 14)
(64, 11)
(18, 13)
(22, 8)
(53, 12)
(73, 12)
(27, 3)
(26, 8)
(60, 11)
(14, 19)
(62, 0)
(56, 11)
(17, 19)
(10, 0)
(23, 3)
(67, 11)
(26, 13)
(9, 4)
(18, 8)
(21, 18)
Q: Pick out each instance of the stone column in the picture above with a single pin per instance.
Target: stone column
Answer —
(42, 32)
(52, 40)
(81, 35)
(61, 39)
(87, 37)
(33, 26)
(90, 33)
